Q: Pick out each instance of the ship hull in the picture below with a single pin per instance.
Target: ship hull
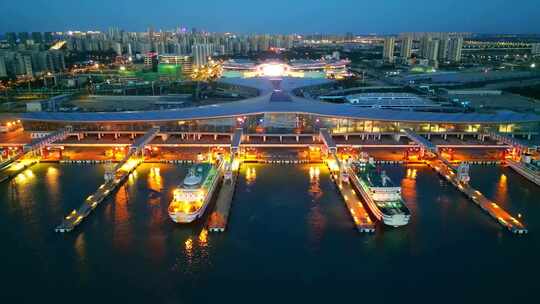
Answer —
(183, 218)
(395, 220)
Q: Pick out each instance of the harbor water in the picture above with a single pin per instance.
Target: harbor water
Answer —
(289, 239)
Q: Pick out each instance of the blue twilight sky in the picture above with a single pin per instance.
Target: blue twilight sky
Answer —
(275, 16)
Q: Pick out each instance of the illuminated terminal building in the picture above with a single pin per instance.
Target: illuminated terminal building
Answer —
(277, 110)
(331, 68)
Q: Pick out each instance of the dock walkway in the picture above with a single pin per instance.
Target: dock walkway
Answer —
(494, 210)
(74, 218)
(15, 168)
(362, 221)
(220, 217)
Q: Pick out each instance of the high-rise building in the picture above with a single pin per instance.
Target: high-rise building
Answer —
(454, 49)
(48, 37)
(11, 38)
(535, 49)
(23, 37)
(388, 49)
(58, 60)
(200, 53)
(3, 67)
(406, 47)
(443, 48)
(27, 62)
(174, 66)
(424, 45)
(117, 47)
(433, 52)
(37, 37)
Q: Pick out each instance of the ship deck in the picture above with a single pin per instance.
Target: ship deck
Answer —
(372, 175)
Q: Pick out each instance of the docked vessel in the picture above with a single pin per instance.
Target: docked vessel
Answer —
(527, 167)
(191, 198)
(380, 194)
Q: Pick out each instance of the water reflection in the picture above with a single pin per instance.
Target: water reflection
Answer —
(501, 189)
(316, 219)
(408, 188)
(24, 177)
(155, 181)
(53, 184)
(122, 234)
(314, 187)
(155, 185)
(203, 238)
(251, 175)
(188, 249)
(80, 248)
(132, 178)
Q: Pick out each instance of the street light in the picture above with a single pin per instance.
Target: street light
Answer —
(533, 65)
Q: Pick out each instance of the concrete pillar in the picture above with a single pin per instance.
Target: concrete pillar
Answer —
(264, 138)
(199, 136)
(132, 136)
(346, 137)
(529, 136)
(115, 135)
(429, 136)
(445, 136)
(99, 136)
(380, 135)
(363, 136)
(280, 138)
(247, 137)
(297, 138)
(215, 136)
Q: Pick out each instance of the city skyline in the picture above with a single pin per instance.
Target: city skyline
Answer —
(384, 17)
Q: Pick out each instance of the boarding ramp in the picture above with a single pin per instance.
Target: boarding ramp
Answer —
(421, 141)
(138, 145)
(511, 141)
(328, 141)
(236, 140)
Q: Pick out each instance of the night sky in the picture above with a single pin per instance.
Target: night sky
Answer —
(275, 16)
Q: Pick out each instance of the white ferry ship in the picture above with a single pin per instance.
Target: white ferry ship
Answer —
(380, 194)
(191, 198)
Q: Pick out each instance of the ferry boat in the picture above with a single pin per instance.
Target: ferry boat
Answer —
(380, 194)
(191, 198)
(527, 167)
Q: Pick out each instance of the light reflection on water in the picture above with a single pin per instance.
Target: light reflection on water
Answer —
(300, 214)
(501, 190)
(316, 219)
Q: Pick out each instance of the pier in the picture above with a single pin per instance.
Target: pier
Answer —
(29, 155)
(113, 180)
(494, 210)
(461, 181)
(340, 175)
(220, 216)
(75, 217)
(360, 216)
